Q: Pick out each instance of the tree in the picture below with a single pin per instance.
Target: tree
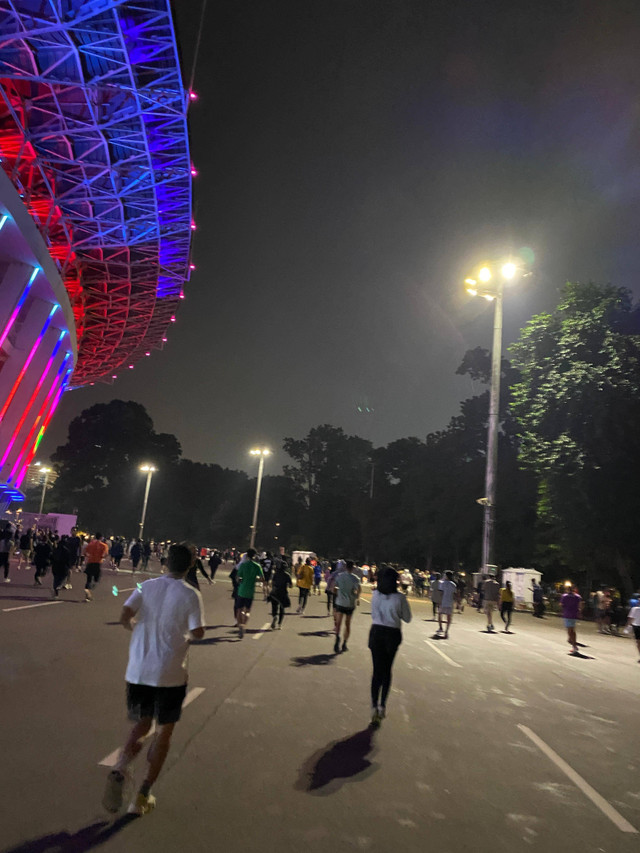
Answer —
(98, 466)
(578, 406)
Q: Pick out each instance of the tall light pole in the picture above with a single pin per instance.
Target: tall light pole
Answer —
(261, 452)
(491, 286)
(149, 469)
(45, 482)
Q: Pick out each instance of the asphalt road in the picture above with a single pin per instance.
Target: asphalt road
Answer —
(491, 743)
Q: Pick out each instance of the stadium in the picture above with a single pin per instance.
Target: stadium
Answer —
(95, 203)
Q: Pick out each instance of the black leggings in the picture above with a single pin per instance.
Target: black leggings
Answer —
(331, 599)
(506, 609)
(383, 643)
(303, 596)
(277, 611)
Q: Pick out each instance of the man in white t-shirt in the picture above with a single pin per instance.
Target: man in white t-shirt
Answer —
(164, 614)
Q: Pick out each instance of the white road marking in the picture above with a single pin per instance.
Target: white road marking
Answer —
(112, 759)
(29, 606)
(262, 630)
(598, 800)
(442, 654)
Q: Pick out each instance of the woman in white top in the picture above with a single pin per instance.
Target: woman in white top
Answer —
(389, 608)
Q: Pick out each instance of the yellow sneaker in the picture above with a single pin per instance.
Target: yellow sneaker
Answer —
(142, 805)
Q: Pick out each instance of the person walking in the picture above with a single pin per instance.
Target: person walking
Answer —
(348, 589)
(436, 594)
(214, 561)
(571, 605)
(164, 614)
(304, 574)
(135, 554)
(389, 608)
(538, 600)
(26, 548)
(281, 583)
(491, 590)
(94, 553)
(248, 573)
(195, 567)
(6, 542)
(330, 589)
(506, 605)
(448, 591)
(61, 562)
(41, 557)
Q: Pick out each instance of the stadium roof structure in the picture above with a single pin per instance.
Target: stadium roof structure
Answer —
(93, 134)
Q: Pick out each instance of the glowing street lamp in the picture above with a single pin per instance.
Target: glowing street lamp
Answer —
(261, 452)
(45, 482)
(488, 282)
(149, 470)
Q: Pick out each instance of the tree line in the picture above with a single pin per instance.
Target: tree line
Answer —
(569, 465)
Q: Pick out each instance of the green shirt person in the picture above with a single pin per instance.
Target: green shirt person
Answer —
(248, 573)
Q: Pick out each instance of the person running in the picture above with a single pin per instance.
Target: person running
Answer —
(164, 613)
(436, 595)
(6, 542)
(214, 561)
(41, 557)
(195, 567)
(61, 562)
(116, 553)
(248, 573)
(281, 583)
(491, 590)
(347, 599)
(448, 593)
(26, 548)
(506, 605)
(389, 608)
(135, 554)
(330, 589)
(633, 623)
(317, 577)
(571, 604)
(94, 553)
(304, 574)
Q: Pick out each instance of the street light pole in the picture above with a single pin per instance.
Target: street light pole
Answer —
(149, 469)
(262, 452)
(491, 473)
(492, 288)
(46, 472)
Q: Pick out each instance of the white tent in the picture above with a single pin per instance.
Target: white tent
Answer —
(521, 584)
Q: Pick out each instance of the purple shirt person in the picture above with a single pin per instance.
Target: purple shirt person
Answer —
(571, 604)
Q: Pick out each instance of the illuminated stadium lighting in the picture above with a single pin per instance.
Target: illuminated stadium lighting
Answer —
(3, 221)
(16, 310)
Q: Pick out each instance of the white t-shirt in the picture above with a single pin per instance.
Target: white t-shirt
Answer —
(448, 591)
(166, 610)
(634, 616)
(390, 610)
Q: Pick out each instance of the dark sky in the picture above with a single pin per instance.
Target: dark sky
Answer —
(355, 160)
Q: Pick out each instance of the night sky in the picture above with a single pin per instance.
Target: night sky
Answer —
(355, 160)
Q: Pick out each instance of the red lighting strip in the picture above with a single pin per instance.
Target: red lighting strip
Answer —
(43, 428)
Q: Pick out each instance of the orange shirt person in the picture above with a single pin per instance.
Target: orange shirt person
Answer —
(94, 553)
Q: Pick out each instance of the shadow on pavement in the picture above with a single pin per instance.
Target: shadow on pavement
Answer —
(581, 655)
(324, 616)
(213, 627)
(211, 641)
(312, 660)
(315, 633)
(340, 761)
(87, 838)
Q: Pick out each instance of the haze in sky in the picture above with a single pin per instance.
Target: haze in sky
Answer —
(356, 160)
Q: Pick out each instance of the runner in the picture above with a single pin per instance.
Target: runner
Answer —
(281, 582)
(389, 608)
(633, 622)
(94, 553)
(317, 577)
(61, 562)
(506, 605)
(348, 588)
(248, 573)
(491, 593)
(448, 593)
(169, 613)
(571, 604)
(436, 594)
(214, 561)
(304, 574)
(6, 541)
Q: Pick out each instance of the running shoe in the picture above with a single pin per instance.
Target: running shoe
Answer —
(142, 805)
(345, 648)
(375, 717)
(382, 712)
(114, 791)
(7, 580)
(336, 646)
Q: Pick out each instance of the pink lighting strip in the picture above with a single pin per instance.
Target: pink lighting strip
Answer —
(33, 397)
(43, 408)
(25, 367)
(16, 310)
(34, 450)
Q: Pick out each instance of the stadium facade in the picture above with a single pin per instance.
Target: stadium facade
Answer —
(95, 203)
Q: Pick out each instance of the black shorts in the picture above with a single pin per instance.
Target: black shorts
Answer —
(243, 603)
(348, 610)
(636, 631)
(92, 571)
(164, 704)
